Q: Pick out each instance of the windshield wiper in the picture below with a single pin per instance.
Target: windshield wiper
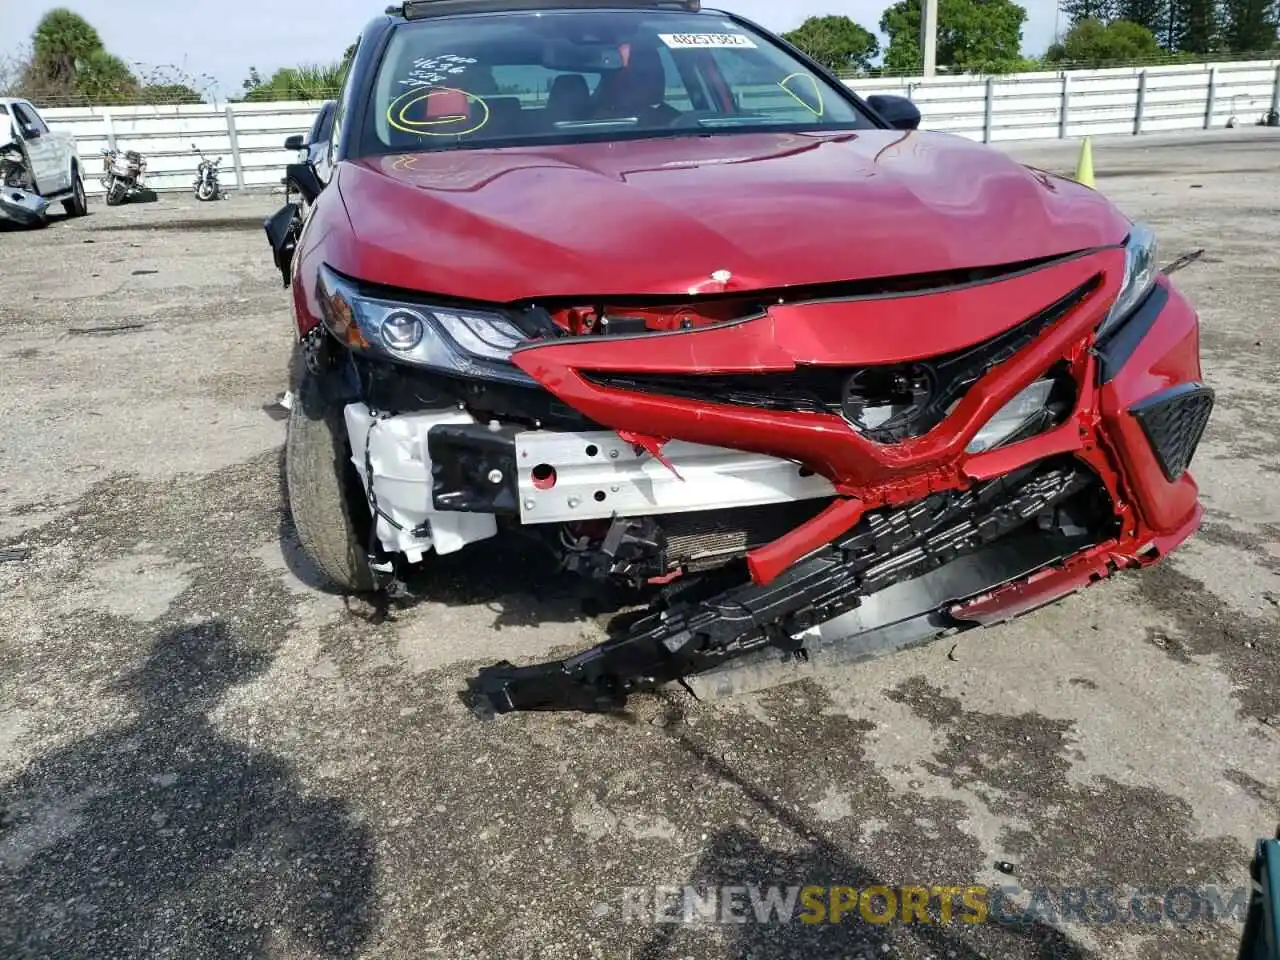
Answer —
(596, 124)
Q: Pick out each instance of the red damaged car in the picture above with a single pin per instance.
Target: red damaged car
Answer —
(646, 283)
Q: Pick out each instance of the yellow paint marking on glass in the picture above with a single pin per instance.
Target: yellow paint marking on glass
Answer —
(425, 128)
(817, 111)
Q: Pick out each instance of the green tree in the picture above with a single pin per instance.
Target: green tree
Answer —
(973, 35)
(61, 44)
(252, 82)
(1250, 24)
(68, 63)
(104, 78)
(1104, 11)
(1152, 14)
(836, 42)
(163, 93)
(1091, 43)
(1196, 26)
(307, 82)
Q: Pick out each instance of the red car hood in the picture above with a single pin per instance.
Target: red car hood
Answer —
(660, 216)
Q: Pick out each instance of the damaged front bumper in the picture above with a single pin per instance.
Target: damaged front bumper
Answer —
(22, 206)
(440, 480)
(914, 532)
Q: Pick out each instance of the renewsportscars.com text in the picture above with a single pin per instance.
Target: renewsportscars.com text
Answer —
(934, 904)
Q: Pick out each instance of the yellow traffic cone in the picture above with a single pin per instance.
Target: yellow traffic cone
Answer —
(1084, 169)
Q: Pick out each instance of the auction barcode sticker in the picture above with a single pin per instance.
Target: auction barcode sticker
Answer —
(686, 41)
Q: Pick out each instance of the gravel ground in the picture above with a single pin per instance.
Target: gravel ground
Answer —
(202, 755)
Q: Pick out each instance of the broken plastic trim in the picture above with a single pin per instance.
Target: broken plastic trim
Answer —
(22, 206)
(690, 637)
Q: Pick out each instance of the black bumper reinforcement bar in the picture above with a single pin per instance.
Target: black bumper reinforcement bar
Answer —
(689, 634)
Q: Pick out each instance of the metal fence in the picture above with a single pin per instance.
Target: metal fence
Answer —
(1030, 106)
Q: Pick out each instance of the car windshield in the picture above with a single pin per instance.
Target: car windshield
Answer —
(568, 76)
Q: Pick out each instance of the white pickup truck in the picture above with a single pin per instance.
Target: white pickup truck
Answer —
(38, 166)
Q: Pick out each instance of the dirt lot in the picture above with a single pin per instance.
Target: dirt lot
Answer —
(201, 755)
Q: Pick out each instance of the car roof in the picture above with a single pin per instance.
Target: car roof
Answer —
(425, 9)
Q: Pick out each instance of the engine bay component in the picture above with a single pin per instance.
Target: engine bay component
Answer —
(391, 455)
(18, 198)
(576, 476)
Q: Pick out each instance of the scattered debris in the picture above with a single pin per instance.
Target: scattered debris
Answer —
(1183, 261)
(14, 554)
(951, 654)
(278, 409)
(1004, 866)
(141, 273)
(105, 331)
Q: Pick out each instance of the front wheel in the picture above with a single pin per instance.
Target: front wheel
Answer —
(117, 192)
(77, 206)
(206, 190)
(326, 498)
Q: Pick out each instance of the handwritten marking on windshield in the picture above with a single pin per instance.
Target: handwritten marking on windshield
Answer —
(818, 110)
(447, 125)
(432, 71)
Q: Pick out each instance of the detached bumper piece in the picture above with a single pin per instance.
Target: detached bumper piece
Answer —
(22, 206)
(694, 634)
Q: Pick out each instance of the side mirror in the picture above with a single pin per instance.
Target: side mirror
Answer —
(30, 133)
(899, 112)
(303, 176)
(296, 142)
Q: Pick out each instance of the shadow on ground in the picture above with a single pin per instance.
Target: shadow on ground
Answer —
(735, 857)
(162, 837)
(519, 580)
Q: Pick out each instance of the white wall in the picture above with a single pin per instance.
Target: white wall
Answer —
(1025, 106)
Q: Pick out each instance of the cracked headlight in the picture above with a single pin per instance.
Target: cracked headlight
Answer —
(456, 340)
(1140, 271)
(1028, 405)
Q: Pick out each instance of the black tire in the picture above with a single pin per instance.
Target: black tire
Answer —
(326, 500)
(78, 205)
(116, 194)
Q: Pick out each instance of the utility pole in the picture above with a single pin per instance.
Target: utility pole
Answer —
(929, 36)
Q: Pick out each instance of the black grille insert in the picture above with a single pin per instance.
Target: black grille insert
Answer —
(887, 402)
(1174, 421)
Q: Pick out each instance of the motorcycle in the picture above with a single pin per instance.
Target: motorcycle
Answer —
(206, 183)
(122, 174)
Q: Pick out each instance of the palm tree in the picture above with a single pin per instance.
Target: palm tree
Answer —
(63, 41)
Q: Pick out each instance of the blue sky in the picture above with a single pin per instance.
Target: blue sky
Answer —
(275, 33)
